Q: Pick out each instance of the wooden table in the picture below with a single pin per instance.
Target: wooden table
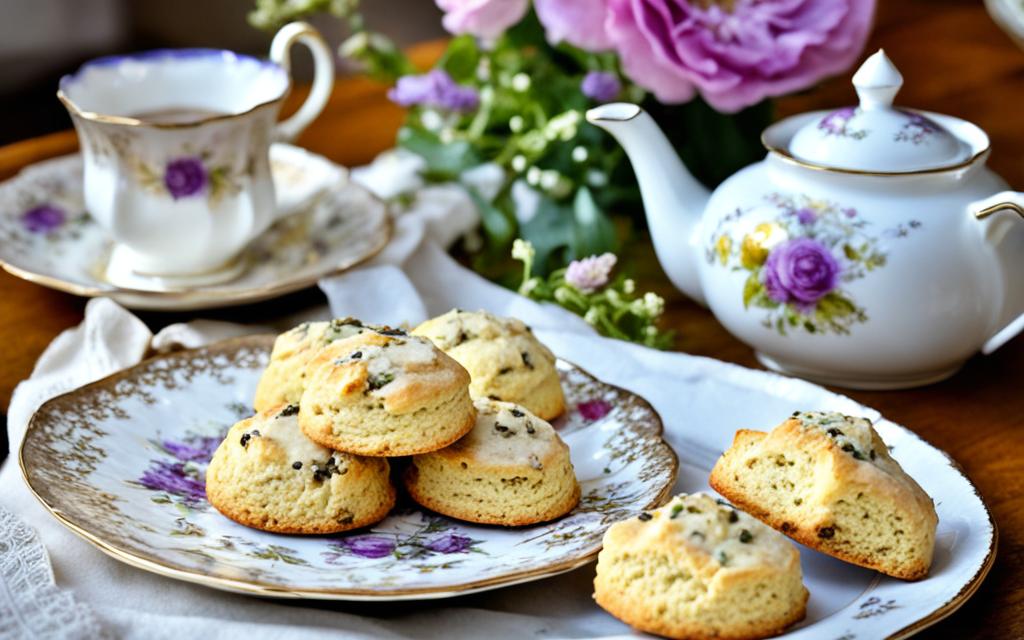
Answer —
(954, 61)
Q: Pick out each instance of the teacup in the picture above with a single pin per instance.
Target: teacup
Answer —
(175, 146)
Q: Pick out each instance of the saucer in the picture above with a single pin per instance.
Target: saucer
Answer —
(330, 224)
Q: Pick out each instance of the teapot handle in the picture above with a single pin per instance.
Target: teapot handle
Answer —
(993, 213)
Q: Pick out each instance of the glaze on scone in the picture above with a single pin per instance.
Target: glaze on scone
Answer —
(284, 378)
(511, 469)
(385, 393)
(697, 568)
(267, 474)
(505, 360)
(828, 481)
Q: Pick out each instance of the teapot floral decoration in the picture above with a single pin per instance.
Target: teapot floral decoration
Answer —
(871, 248)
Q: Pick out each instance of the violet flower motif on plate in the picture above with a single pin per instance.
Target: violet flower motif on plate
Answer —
(799, 262)
(43, 218)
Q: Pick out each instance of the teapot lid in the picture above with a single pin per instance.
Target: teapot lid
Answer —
(876, 136)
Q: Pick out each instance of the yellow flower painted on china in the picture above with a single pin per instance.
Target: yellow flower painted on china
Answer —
(723, 247)
(757, 244)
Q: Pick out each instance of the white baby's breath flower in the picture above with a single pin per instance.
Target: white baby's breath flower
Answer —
(520, 82)
(533, 176)
(519, 163)
(597, 178)
(653, 303)
(628, 286)
(516, 124)
(592, 315)
(431, 120)
(549, 179)
(522, 250)
(580, 154)
(564, 126)
(562, 295)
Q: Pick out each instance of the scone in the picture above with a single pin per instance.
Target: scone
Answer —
(504, 359)
(512, 469)
(827, 481)
(268, 475)
(284, 379)
(697, 568)
(385, 394)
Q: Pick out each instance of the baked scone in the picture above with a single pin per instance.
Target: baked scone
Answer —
(697, 568)
(505, 360)
(268, 475)
(385, 394)
(827, 480)
(512, 469)
(284, 378)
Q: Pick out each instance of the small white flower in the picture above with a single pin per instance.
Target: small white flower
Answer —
(549, 179)
(520, 82)
(580, 154)
(431, 120)
(564, 126)
(528, 286)
(533, 176)
(519, 163)
(522, 250)
(628, 286)
(516, 124)
(561, 295)
(651, 330)
(653, 303)
(591, 316)
(597, 178)
(447, 136)
(590, 274)
(357, 44)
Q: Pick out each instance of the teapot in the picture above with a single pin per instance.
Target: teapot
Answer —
(871, 248)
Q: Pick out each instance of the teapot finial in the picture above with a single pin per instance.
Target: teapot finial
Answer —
(877, 82)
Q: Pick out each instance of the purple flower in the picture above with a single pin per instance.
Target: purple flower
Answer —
(736, 53)
(601, 86)
(368, 546)
(434, 89)
(200, 450)
(487, 19)
(590, 274)
(449, 543)
(850, 212)
(172, 478)
(581, 23)
(185, 177)
(43, 218)
(800, 271)
(592, 410)
(806, 215)
(835, 122)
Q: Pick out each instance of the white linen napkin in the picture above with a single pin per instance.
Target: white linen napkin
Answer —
(412, 279)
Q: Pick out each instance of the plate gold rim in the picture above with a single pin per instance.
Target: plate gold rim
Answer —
(155, 565)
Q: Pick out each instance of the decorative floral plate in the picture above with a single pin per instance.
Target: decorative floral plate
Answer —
(122, 461)
(47, 237)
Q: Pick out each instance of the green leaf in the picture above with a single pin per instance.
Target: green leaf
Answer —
(461, 58)
(834, 306)
(549, 230)
(850, 252)
(445, 161)
(751, 288)
(498, 225)
(593, 233)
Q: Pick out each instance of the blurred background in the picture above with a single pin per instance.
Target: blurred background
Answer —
(41, 40)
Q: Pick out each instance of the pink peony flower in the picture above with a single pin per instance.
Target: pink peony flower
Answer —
(581, 23)
(738, 52)
(590, 274)
(486, 19)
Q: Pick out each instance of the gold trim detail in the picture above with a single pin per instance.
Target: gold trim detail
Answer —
(785, 156)
(981, 214)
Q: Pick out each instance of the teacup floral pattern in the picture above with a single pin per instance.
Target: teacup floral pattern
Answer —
(799, 261)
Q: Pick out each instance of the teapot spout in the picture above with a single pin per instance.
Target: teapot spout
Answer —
(673, 199)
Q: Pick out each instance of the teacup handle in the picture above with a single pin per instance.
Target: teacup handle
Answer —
(323, 74)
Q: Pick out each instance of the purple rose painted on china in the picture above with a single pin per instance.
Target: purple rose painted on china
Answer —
(801, 271)
(185, 177)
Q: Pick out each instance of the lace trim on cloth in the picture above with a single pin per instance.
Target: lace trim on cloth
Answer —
(31, 605)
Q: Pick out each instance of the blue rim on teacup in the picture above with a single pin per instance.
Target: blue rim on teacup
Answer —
(80, 106)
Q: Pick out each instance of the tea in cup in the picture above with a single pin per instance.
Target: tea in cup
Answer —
(175, 146)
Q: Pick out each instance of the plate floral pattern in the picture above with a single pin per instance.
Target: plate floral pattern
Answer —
(800, 261)
(48, 237)
(122, 463)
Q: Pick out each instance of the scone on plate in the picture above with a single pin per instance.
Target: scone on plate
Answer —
(505, 360)
(385, 394)
(698, 568)
(284, 378)
(512, 469)
(827, 480)
(268, 475)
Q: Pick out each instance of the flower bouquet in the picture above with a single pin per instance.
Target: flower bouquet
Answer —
(515, 80)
